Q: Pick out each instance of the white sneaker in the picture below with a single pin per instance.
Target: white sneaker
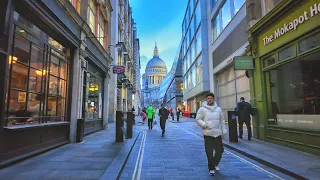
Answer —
(212, 172)
(217, 168)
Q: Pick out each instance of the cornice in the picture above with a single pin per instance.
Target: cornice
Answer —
(283, 8)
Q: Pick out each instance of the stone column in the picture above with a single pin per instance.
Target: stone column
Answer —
(106, 101)
(76, 96)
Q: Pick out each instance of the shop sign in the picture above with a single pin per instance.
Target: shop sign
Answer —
(300, 21)
(243, 62)
(118, 69)
(314, 10)
(298, 121)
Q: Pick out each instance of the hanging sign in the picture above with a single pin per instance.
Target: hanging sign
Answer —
(118, 69)
(243, 62)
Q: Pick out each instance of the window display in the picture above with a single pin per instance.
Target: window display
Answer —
(294, 93)
(37, 77)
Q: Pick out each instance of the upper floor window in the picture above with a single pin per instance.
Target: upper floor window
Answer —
(76, 4)
(212, 3)
(92, 15)
(224, 16)
(101, 26)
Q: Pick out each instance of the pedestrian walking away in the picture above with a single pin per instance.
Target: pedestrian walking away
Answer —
(243, 111)
(178, 114)
(150, 113)
(164, 114)
(211, 119)
(171, 114)
(144, 117)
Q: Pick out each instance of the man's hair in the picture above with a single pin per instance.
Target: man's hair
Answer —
(210, 94)
(242, 98)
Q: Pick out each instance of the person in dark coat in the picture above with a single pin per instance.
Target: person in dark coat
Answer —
(164, 114)
(243, 112)
(178, 114)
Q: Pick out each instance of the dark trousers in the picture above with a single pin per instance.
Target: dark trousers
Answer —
(178, 116)
(172, 116)
(248, 128)
(150, 123)
(163, 125)
(212, 143)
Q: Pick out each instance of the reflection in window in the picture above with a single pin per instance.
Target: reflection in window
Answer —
(21, 49)
(34, 94)
(269, 61)
(226, 14)
(237, 5)
(298, 92)
(91, 15)
(286, 53)
(309, 43)
(94, 95)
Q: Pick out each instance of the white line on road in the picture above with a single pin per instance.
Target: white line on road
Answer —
(238, 157)
(141, 157)
(138, 157)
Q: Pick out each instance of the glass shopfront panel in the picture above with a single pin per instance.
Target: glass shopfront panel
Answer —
(37, 92)
(93, 108)
(293, 93)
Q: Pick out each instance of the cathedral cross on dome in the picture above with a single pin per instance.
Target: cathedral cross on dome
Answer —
(156, 53)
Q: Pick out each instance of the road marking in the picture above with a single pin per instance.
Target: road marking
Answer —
(238, 157)
(138, 158)
(141, 157)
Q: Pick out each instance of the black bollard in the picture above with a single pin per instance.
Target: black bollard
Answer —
(129, 124)
(119, 124)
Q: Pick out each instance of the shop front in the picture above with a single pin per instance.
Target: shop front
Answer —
(93, 99)
(286, 80)
(37, 78)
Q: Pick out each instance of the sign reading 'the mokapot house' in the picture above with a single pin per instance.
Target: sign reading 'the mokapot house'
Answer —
(293, 25)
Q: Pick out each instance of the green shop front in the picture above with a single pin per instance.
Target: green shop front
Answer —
(285, 82)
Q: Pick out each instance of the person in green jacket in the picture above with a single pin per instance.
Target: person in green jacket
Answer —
(150, 112)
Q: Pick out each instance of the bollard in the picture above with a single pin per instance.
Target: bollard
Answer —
(129, 124)
(119, 125)
(80, 130)
(232, 123)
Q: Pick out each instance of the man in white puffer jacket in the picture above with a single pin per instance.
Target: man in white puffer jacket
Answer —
(211, 119)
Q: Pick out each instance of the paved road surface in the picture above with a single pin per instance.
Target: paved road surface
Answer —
(180, 155)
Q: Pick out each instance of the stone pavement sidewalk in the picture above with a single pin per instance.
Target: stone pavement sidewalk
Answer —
(295, 163)
(97, 157)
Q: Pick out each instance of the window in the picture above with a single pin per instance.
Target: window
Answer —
(92, 15)
(295, 93)
(226, 13)
(309, 43)
(269, 61)
(94, 94)
(212, 3)
(101, 33)
(38, 80)
(237, 5)
(216, 27)
(199, 70)
(76, 4)
(193, 72)
(287, 53)
(198, 16)
(198, 42)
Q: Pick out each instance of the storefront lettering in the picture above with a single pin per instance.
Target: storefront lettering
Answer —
(293, 25)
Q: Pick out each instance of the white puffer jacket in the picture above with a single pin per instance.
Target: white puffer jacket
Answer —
(211, 120)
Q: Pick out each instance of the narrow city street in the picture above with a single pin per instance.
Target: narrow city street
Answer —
(180, 155)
